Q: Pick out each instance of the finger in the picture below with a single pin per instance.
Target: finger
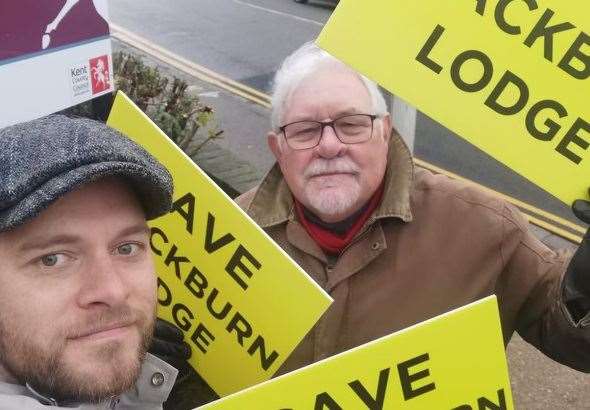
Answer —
(167, 331)
(163, 348)
(581, 209)
(182, 366)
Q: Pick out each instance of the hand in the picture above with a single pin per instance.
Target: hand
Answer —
(577, 276)
(168, 345)
(189, 390)
(581, 209)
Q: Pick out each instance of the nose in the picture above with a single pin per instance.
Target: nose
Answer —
(102, 284)
(330, 146)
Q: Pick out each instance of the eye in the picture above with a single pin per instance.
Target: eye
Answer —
(127, 249)
(53, 260)
(50, 260)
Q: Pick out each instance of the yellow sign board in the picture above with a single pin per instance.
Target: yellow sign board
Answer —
(511, 77)
(454, 361)
(242, 303)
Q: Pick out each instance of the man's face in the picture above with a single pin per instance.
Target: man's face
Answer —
(333, 180)
(77, 295)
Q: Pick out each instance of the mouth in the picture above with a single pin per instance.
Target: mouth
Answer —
(113, 330)
(331, 174)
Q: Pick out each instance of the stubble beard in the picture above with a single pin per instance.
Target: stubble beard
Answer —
(332, 186)
(333, 200)
(45, 368)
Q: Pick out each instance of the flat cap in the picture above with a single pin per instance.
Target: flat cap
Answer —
(44, 159)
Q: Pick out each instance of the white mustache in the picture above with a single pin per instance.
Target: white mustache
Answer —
(331, 166)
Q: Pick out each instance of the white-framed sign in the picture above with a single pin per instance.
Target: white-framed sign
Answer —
(53, 54)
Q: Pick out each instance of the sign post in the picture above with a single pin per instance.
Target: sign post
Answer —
(53, 55)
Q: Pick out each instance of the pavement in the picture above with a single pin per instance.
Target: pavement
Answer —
(537, 381)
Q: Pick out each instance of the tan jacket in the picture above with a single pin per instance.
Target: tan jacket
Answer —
(433, 244)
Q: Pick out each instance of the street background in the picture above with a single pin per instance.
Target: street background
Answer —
(245, 40)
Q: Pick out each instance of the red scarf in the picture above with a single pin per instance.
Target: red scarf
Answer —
(329, 241)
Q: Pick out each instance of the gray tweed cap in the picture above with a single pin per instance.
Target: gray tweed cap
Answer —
(44, 159)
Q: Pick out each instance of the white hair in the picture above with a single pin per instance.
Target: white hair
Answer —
(305, 61)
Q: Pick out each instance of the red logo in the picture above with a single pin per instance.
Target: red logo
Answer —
(99, 74)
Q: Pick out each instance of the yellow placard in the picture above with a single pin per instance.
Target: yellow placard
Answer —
(509, 76)
(242, 303)
(454, 361)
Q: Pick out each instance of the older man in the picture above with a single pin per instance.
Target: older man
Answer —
(392, 243)
(77, 281)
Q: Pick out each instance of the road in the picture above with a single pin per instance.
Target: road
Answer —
(246, 40)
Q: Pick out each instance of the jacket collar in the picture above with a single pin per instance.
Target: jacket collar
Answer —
(272, 203)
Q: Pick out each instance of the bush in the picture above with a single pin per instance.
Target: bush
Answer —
(182, 116)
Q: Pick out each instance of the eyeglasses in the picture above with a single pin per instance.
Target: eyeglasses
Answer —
(349, 129)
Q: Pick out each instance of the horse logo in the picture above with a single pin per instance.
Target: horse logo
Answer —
(99, 74)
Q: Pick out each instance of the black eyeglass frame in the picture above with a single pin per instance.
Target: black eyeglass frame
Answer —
(325, 124)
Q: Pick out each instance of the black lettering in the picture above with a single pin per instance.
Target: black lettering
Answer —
(236, 262)
(485, 404)
(480, 7)
(423, 57)
(372, 403)
(325, 401)
(508, 78)
(243, 332)
(547, 32)
(202, 337)
(488, 70)
(500, 15)
(201, 284)
(407, 379)
(153, 232)
(168, 299)
(212, 246)
(552, 127)
(181, 321)
(463, 407)
(265, 361)
(177, 260)
(211, 299)
(189, 214)
(572, 137)
(575, 52)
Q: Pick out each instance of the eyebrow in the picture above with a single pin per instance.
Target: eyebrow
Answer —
(141, 228)
(44, 242)
(337, 114)
(39, 243)
(348, 111)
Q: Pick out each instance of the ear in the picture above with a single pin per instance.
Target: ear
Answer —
(274, 144)
(386, 121)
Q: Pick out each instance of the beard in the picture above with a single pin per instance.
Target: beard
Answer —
(44, 364)
(333, 200)
(332, 195)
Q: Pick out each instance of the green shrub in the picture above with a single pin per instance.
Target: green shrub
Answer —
(182, 116)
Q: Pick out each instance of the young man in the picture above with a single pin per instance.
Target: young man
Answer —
(77, 281)
(394, 244)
